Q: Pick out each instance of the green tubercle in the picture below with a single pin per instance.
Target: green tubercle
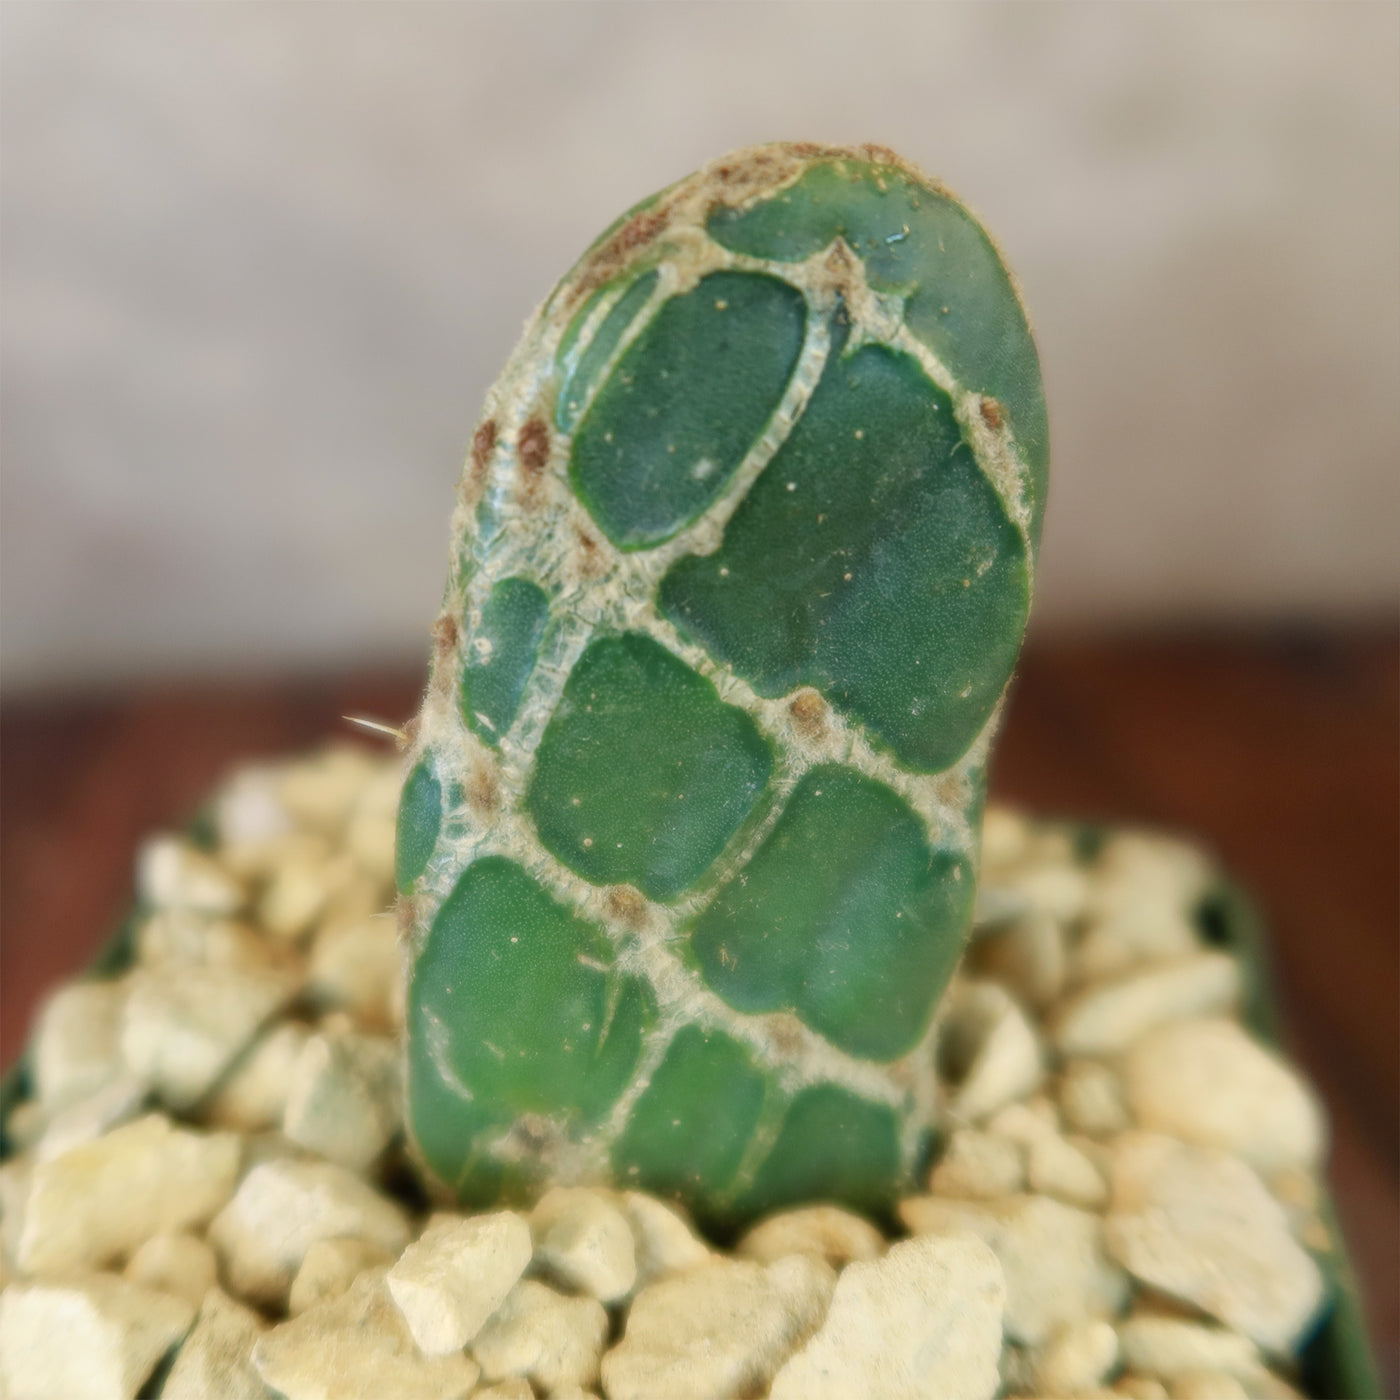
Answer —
(742, 559)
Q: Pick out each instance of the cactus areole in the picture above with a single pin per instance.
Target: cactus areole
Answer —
(741, 561)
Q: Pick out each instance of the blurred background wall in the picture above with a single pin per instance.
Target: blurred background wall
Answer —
(260, 262)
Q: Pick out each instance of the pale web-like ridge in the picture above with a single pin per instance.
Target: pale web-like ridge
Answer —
(545, 534)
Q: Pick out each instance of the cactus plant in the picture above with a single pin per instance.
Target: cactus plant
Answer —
(741, 561)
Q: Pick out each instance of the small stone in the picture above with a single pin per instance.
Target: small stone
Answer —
(979, 1166)
(1047, 883)
(253, 1095)
(282, 1208)
(820, 1232)
(543, 1336)
(988, 1051)
(116, 1102)
(1199, 1225)
(1110, 1016)
(358, 1347)
(1027, 957)
(88, 1337)
(718, 1332)
(666, 1242)
(215, 1361)
(1077, 1358)
(184, 1026)
(1006, 837)
(1137, 872)
(354, 966)
(330, 1267)
(1056, 1167)
(96, 1202)
(922, 1323)
(172, 874)
(584, 1241)
(458, 1272)
(516, 1388)
(1025, 1123)
(1207, 1385)
(249, 814)
(321, 791)
(76, 1044)
(343, 1098)
(1167, 1347)
(1209, 1082)
(1140, 1388)
(190, 938)
(1091, 1099)
(174, 1262)
(1057, 1272)
(301, 884)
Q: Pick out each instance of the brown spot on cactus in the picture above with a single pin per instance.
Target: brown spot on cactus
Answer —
(990, 410)
(534, 447)
(626, 905)
(483, 792)
(446, 635)
(479, 464)
(808, 711)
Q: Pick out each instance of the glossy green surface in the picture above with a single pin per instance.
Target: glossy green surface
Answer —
(419, 821)
(687, 400)
(872, 560)
(842, 910)
(763, 482)
(644, 774)
(688, 1132)
(924, 246)
(500, 952)
(504, 651)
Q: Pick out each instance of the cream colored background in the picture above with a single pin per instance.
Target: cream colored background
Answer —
(261, 261)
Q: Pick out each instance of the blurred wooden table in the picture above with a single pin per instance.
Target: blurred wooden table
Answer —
(1281, 750)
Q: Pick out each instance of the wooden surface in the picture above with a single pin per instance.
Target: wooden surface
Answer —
(1279, 750)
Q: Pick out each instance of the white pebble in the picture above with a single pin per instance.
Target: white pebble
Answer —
(343, 1098)
(183, 1027)
(666, 1242)
(174, 1262)
(1091, 1099)
(1053, 1256)
(1199, 1225)
(1056, 1167)
(718, 1332)
(86, 1119)
(1110, 1016)
(252, 1097)
(97, 1202)
(358, 1347)
(828, 1233)
(584, 1241)
(76, 1044)
(1077, 1358)
(281, 1209)
(354, 966)
(1163, 1346)
(1210, 1082)
(988, 1050)
(456, 1274)
(329, 1267)
(921, 1323)
(172, 874)
(537, 1333)
(215, 1362)
(1026, 956)
(93, 1337)
(979, 1166)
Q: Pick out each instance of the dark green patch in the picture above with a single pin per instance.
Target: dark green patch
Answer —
(843, 916)
(873, 560)
(514, 1001)
(419, 821)
(685, 403)
(688, 1131)
(501, 655)
(960, 300)
(583, 368)
(832, 1146)
(643, 774)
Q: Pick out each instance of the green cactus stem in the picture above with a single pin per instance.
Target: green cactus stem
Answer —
(742, 559)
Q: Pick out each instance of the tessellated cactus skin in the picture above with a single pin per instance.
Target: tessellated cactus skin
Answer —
(742, 558)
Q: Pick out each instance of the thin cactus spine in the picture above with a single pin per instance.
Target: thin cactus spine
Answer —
(726, 360)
